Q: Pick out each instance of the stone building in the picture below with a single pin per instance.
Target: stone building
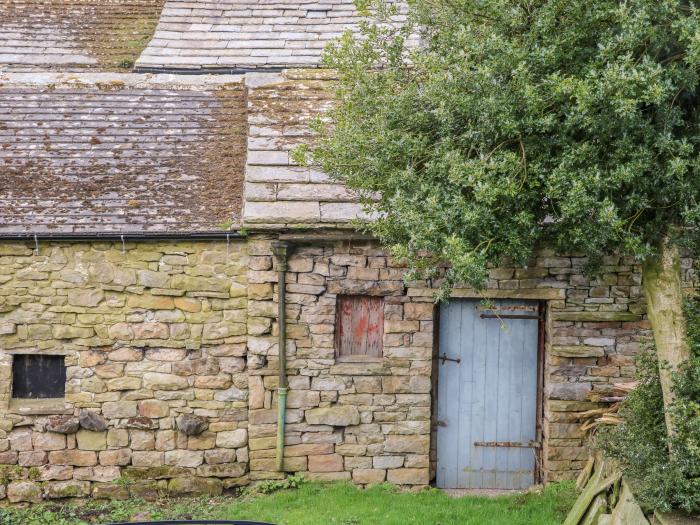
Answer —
(147, 217)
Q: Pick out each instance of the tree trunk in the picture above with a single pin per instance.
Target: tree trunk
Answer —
(661, 280)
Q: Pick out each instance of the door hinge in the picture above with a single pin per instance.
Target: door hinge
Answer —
(444, 358)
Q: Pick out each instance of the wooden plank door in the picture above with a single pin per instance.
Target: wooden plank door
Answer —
(487, 402)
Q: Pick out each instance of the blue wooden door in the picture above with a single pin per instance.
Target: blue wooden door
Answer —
(487, 402)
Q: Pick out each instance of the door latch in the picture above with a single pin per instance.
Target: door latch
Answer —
(444, 358)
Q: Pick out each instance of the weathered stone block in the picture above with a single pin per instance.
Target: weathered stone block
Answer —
(191, 425)
(48, 441)
(326, 463)
(89, 440)
(24, 491)
(119, 409)
(339, 415)
(153, 408)
(368, 476)
(160, 381)
(228, 470)
(67, 489)
(408, 476)
(77, 458)
(232, 439)
(192, 486)
(63, 424)
(407, 444)
(184, 458)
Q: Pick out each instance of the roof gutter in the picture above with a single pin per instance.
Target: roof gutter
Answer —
(126, 236)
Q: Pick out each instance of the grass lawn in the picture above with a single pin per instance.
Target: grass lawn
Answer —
(320, 504)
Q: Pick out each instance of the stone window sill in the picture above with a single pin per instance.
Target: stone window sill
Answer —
(39, 407)
(358, 359)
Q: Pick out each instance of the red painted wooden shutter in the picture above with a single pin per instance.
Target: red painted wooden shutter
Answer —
(359, 327)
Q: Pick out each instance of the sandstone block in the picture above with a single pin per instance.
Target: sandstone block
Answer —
(388, 462)
(71, 332)
(150, 331)
(117, 437)
(32, 459)
(119, 409)
(406, 385)
(153, 408)
(123, 383)
(48, 441)
(85, 297)
(224, 470)
(219, 456)
(121, 332)
(151, 302)
(143, 440)
(188, 304)
(407, 444)
(126, 355)
(24, 491)
(184, 458)
(408, 476)
(120, 457)
(368, 476)
(204, 441)
(200, 284)
(192, 486)
(339, 416)
(326, 463)
(232, 439)
(110, 491)
(77, 458)
(55, 473)
(67, 489)
(147, 459)
(89, 440)
(159, 381)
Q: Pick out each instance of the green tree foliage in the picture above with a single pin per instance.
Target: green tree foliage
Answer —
(662, 479)
(517, 124)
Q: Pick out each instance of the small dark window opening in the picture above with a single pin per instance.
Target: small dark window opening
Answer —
(359, 327)
(38, 376)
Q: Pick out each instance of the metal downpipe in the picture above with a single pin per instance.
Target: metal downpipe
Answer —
(281, 251)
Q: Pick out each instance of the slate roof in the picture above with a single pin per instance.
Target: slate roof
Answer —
(120, 153)
(246, 34)
(277, 192)
(75, 34)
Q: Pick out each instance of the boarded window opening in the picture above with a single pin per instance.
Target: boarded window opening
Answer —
(359, 328)
(38, 376)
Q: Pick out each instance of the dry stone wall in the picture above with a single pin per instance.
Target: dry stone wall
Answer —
(154, 341)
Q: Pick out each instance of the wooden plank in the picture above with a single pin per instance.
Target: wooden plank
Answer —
(359, 326)
(492, 394)
(627, 511)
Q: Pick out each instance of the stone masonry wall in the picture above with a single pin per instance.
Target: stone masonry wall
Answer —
(153, 336)
(371, 422)
(171, 355)
(366, 422)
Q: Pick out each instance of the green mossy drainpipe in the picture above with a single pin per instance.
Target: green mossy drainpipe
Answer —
(281, 251)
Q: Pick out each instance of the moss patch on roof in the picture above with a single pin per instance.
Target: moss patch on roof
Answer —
(107, 34)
